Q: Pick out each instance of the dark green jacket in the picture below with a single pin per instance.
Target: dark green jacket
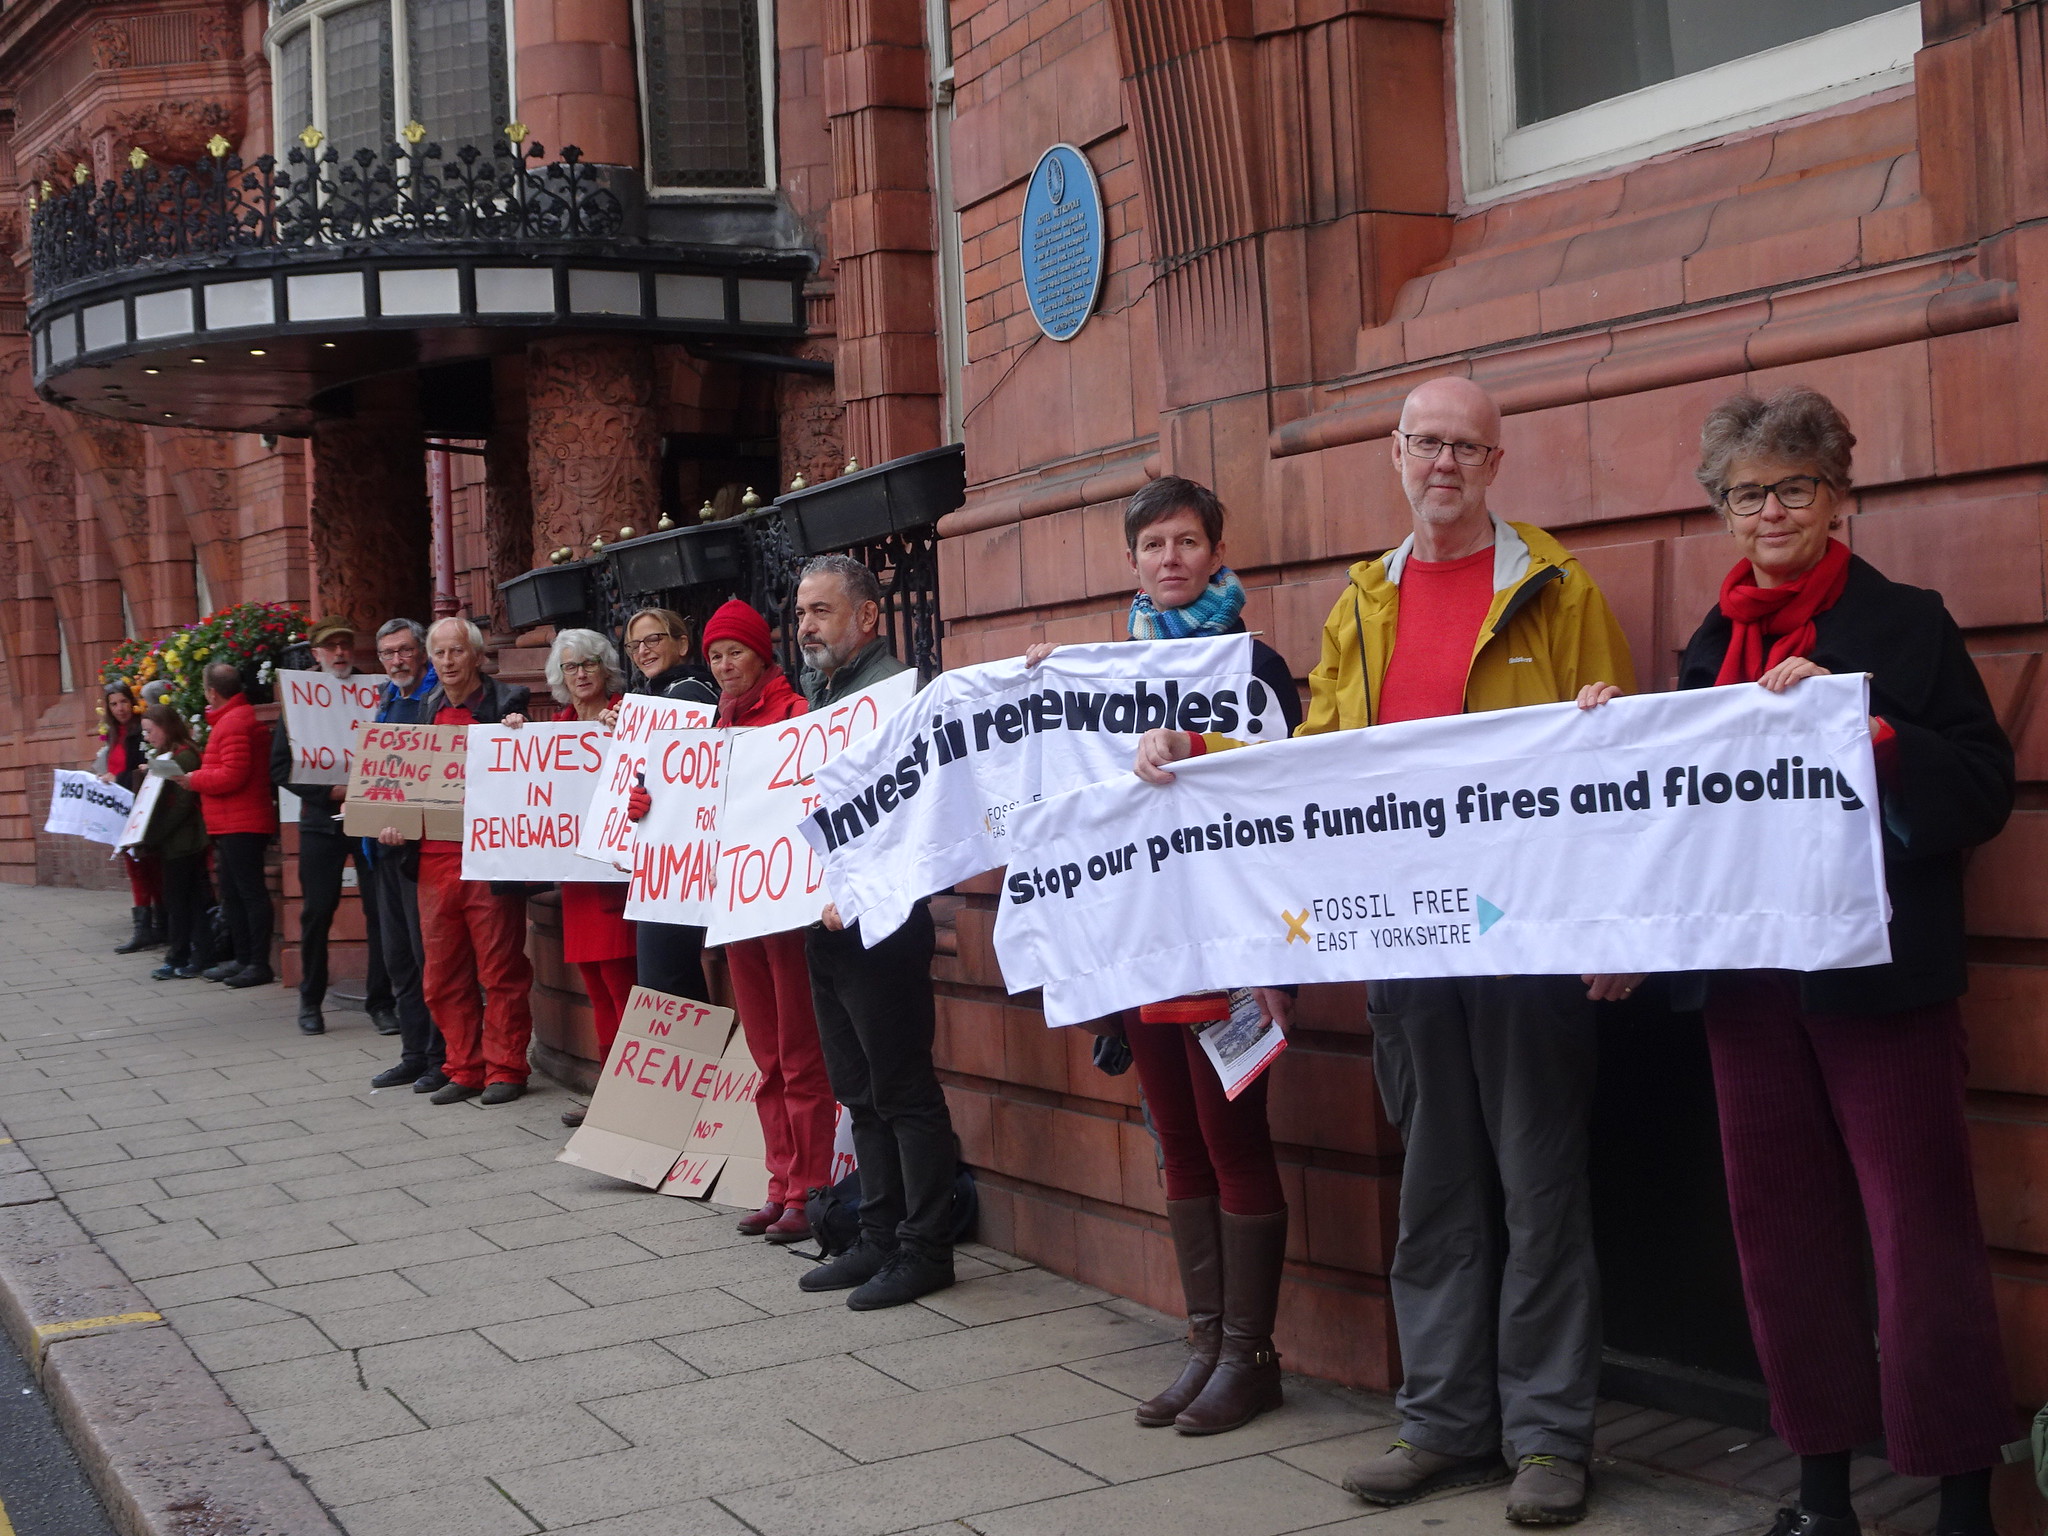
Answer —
(865, 670)
(177, 828)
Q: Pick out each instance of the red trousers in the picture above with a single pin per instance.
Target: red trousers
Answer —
(145, 879)
(478, 981)
(609, 983)
(772, 986)
(1211, 1145)
(1830, 1123)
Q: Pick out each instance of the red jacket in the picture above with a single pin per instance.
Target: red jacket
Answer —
(233, 779)
(769, 700)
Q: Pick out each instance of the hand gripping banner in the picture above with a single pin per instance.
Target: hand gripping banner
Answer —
(1729, 828)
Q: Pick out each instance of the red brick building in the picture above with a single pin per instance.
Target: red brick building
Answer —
(1609, 217)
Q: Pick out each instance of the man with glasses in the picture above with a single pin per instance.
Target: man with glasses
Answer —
(402, 654)
(1490, 1078)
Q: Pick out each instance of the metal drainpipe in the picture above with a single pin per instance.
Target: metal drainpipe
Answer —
(443, 504)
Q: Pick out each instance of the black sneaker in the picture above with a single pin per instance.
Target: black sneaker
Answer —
(384, 1020)
(431, 1081)
(902, 1280)
(858, 1265)
(222, 971)
(396, 1077)
(504, 1093)
(1795, 1521)
(454, 1093)
(250, 976)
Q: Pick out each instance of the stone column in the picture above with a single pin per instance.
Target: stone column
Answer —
(370, 534)
(593, 441)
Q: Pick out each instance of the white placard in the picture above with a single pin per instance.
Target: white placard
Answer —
(139, 813)
(1647, 835)
(924, 802)
(81, 806)
(607, 831)
(321, 713)
(524, 799)
(675, 845)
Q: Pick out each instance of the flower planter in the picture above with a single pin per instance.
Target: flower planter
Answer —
(550, 594)
(710, 554)
(911, 492)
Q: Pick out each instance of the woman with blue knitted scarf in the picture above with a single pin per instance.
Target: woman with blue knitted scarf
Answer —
(1224, 1204)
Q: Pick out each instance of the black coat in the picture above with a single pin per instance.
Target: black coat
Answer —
(684, 680)
(1950, 788)
(495, 701)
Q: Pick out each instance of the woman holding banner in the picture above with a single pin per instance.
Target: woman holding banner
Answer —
(121, 761)
(658, 644)
(1224, 1205)
(1841, 1092)
(770, 981)
(583, 672)
(176, 840)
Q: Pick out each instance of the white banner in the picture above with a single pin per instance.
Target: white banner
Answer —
(607, 833)
(321, 714)
(720, 845)
(675, 845)
(524, 799)
(139, 813)
(81, 806)
(925, 802)
(1728, 828)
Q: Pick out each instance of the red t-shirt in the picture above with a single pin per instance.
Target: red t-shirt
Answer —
(447, 715)
(1443, 603)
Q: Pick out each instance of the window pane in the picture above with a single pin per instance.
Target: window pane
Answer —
(294, 86)
(1572, 53)
(704, 93)
(359, 77)
(456, 49)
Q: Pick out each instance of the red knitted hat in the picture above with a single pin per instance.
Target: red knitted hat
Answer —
(736, 620)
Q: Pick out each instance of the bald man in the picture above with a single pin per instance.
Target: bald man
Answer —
(1489, 1078)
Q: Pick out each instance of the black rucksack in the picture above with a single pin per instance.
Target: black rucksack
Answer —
(834, 1213)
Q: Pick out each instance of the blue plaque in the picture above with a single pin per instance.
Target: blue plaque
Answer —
(1061, 242)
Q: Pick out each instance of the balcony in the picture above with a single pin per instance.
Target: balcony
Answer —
(247, 298)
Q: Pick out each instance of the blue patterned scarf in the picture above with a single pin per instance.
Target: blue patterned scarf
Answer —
(1213, 613)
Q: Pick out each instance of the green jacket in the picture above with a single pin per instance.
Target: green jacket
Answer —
(177, 828)
(865, 670)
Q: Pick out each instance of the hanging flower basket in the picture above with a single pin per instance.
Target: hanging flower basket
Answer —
(253, 637)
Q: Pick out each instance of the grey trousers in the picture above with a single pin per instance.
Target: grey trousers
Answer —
(1496, 1291)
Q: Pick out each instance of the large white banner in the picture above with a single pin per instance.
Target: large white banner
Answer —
(721, 845)
(321, 714)
(607, 832)
(524, 799)
(81, 806)
(1729, 828)
(926, 801)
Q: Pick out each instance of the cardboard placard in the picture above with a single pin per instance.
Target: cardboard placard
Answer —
(409, 777)
(727, 1159)
(608, 834)
(675, 845)
(644, 1113)
(146, 797)
(321, 714)
(527, 791)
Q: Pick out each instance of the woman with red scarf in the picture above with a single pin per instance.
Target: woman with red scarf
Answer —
(770, 980)
(121, 762)
(1841, 1092)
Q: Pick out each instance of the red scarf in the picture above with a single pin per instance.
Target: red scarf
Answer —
(1782, 615)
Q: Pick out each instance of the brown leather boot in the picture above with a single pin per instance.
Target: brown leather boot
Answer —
(1196, 1247)
(1246, 1381)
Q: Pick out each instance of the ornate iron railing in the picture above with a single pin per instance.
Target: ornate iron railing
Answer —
(318, 199)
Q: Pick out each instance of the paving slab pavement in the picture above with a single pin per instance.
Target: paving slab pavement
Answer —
(416, 1322)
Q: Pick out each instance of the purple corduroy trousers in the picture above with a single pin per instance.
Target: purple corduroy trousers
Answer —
(1829, 1122)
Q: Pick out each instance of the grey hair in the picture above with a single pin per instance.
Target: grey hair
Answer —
(1796, 425)
(583, 645)
(412, 627)
(470, 632)
(861, 584)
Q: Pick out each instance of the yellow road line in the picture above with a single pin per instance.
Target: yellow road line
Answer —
(5, 1141)
(45, 1332)
(6, 1525)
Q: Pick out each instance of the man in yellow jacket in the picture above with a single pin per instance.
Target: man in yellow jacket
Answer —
(1490, 1078)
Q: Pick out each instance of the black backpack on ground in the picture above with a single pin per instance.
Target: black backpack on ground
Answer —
(834, 1213)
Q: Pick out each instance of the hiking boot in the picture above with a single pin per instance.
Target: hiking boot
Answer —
(858, 1265)
(1406, 1473)
(1197, 1249)
(502, 1093)
(453, 1093)
(902, 1280)
(1548, 1490)
(1794, 1521)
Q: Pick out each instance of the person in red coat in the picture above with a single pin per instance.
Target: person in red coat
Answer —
(233, 785)
(122, 761)
(584, 673)
(770, 980)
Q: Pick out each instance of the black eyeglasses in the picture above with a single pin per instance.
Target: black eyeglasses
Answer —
(1795, 493)
(1421, 446)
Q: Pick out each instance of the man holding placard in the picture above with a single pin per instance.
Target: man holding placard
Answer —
(874, 1005)
(324, 852)
(1490, 1078)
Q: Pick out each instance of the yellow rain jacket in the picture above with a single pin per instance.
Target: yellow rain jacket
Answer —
(1548, 634)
